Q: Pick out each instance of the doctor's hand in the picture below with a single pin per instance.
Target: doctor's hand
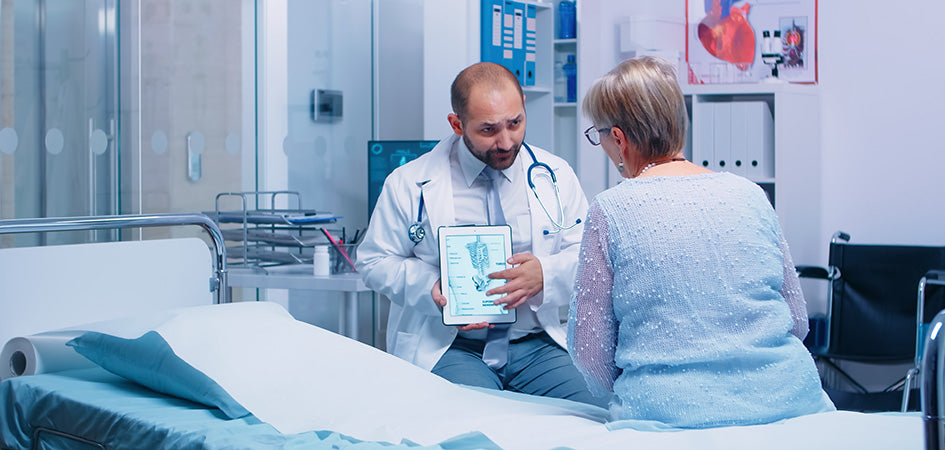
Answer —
(440, 300)
(525, 280)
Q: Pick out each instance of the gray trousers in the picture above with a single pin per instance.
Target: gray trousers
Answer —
(536, 365)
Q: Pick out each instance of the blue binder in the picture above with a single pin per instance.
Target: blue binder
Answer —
(518, 41)
(491, 24)
(531, 39)
(508, 35)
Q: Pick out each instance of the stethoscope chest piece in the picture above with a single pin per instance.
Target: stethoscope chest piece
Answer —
(416, 232)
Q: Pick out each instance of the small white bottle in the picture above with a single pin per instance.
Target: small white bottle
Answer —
(321, 261)
(561, 83)
(776, 45)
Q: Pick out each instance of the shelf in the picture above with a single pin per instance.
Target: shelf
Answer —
(535, 90)
(298, 276)
(780, 125)
(268, 236)
(763, 180)
(747, 88)
(566, 114)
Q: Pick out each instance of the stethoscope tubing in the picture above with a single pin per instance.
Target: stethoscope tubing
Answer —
(416, 232)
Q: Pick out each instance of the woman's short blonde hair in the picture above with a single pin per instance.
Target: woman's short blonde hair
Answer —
(641, 97)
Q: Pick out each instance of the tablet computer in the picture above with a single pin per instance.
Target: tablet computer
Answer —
(468, 254)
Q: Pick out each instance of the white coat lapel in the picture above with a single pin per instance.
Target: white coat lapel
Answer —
(437, 188)
(437, 196)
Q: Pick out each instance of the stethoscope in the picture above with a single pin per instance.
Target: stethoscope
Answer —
(417, 233)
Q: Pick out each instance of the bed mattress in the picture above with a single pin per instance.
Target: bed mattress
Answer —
(92, 408)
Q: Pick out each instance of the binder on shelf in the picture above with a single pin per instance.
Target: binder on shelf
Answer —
(518, 41)
(722, 141)
(760, 140)
(531, 40)
(741, 138)
(703, 134)
(734, 136)
(491, 24)
(508, 35)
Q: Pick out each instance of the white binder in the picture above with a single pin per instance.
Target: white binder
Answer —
(703, 134)
(722, 141)
(741, 126)
(759, 137)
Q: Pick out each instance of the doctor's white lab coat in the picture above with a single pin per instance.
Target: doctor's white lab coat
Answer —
(394, 266)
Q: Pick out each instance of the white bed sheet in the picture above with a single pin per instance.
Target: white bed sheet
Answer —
(299, 378)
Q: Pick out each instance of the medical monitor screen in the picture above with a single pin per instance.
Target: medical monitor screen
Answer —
(384, 157)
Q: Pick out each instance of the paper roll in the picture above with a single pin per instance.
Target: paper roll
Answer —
(41, 353)
(47, 352)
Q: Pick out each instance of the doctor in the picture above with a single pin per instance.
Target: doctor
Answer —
(450, 186)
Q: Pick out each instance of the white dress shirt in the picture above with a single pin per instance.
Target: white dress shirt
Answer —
(470, 194)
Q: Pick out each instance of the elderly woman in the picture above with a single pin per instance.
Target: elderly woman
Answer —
(686, 305)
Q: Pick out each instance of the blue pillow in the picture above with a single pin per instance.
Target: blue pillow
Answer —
(150, 362)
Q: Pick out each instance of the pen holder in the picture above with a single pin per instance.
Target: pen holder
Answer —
(342, 257)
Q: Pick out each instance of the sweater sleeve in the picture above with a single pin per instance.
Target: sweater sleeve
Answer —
(791, 291)
(592, 327)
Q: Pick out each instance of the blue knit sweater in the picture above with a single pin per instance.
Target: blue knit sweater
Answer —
(680, 309)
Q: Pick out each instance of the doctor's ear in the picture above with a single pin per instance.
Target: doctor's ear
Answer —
(455, 123)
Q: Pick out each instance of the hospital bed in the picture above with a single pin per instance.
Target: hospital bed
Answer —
(302, 387)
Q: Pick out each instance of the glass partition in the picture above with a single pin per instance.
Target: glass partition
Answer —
(59, 150)
(108, 107)
(328, 125)
(189, 108)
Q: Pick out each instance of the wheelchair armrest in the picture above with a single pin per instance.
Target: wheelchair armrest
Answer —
(812, 272)
(935, 275)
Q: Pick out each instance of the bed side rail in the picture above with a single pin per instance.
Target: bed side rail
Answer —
(218, 283)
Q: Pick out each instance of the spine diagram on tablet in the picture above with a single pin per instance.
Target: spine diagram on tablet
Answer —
(471, 259)
(479, 256)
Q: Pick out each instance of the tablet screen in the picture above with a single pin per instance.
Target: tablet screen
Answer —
(467, 256)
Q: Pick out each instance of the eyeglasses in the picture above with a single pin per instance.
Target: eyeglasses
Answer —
(593, 134)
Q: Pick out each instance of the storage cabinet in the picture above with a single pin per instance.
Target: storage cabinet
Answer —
(539, 98)
(770, 134)
(565, 113)
(551, 124)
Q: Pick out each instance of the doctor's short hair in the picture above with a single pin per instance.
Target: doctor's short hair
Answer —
(642, 97)
(479, 73)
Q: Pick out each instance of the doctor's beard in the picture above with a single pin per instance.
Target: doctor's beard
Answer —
(498, 159)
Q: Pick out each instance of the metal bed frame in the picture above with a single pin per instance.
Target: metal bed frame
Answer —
(219, 281)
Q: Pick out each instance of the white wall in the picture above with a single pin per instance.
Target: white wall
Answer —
(307, 45)
(881, 98)
(271, 97)
(330, 48)
(398, 68)
(880, 88)
(445, 58)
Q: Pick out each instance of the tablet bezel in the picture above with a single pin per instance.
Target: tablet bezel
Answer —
(442, 233)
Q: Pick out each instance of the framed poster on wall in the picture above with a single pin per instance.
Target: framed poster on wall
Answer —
(725, 40)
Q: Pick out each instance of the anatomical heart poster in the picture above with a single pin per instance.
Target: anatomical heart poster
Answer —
(729, 41)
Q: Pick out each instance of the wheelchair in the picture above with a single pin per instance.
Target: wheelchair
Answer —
(873, 319)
